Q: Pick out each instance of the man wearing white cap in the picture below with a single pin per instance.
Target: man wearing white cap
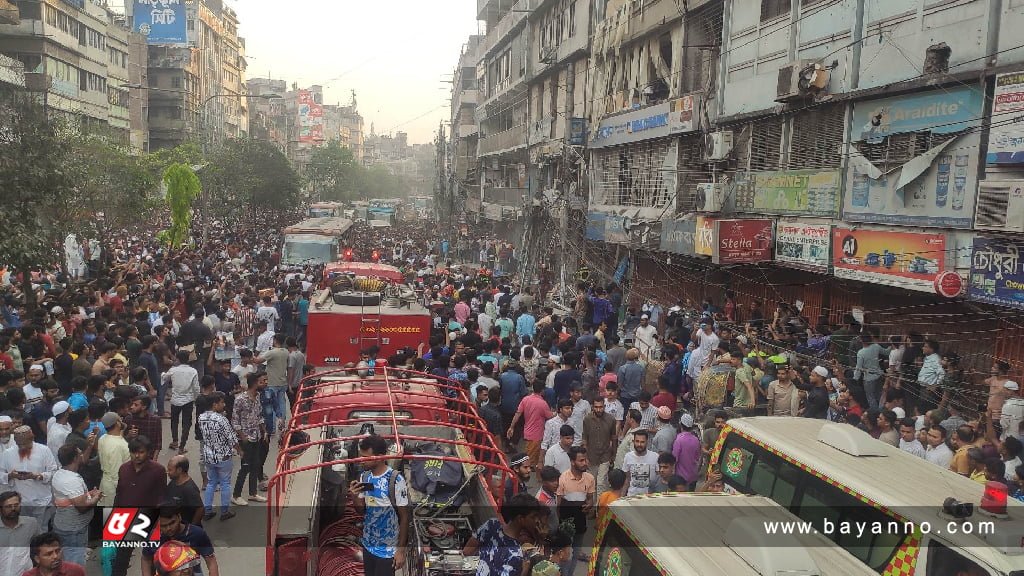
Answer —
(29, 467)
(33, 393)
(1013, 411)
(646, 336)
(57, 429)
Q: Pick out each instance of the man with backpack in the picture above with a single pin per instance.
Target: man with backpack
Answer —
(384, 496)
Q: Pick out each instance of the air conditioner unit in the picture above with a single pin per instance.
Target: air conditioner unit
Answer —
(718, 145)
(800, 79)
(710, 197)
(1001, 206)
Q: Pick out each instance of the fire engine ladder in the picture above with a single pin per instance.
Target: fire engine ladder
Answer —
(369, 324)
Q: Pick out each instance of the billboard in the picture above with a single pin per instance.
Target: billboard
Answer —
(908, 260)
(615, 229)
(806, 192)
(161, 21)
(935, 188)
(1006, 136)
(742, 241)
(997, 276)
(678, 236)
(311, 118)
(704, 243)
(802, 245)
(595, 226)
(656, 121)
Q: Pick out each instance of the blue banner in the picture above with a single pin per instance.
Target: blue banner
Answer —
(161, 21)
(939, 111)
(595, 226)
(997, 276)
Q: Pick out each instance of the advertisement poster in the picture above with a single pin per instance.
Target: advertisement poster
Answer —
(908, 260)
(657, 121)
(161, 21)
(801, 245)
(311, 118)
(742, 241)
(682, 115)
(704, 243)
(936, 188)
(997, 276)
(678, 236)
(1006, 136)
(805, 192)
(615, 229)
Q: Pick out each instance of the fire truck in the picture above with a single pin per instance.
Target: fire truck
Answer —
(430, 426)
(363, 306)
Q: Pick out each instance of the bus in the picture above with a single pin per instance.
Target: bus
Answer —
(314, 241)
(695, 534)
(921, 519)
(326, 209)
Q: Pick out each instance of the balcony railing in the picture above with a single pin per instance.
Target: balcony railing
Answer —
(503, 141)
(508, 22)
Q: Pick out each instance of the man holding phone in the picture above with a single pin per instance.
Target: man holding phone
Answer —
(384, 496)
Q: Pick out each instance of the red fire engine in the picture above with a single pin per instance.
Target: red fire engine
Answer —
(454, 471)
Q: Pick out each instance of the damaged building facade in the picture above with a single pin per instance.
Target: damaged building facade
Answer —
(846, 154)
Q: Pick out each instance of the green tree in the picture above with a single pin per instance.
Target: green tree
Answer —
(182, 190)
(244, 175)
(119, 187)
(39, 190)
(333, 172)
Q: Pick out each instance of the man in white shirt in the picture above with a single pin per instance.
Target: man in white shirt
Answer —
(553, 427)
(908, 438)
(580, 409)
(931, 369)
(58, 428)
(558, 455)
(938, 453)
(267, 313)
(28, 467)
(1011, 416)
(75, 504)
(265, 340)
(640, 465)
(646, 337)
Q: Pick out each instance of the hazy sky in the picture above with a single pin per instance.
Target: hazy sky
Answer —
(393, 53)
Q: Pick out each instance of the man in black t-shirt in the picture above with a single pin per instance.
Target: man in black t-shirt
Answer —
(182, 491)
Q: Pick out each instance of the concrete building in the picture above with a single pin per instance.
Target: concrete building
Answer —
(76, 56)
(267, 117)
(464, 165)
(197, 92)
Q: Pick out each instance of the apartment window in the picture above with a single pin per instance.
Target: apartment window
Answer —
(572, 19)
(29, 9)
(83, 80)
(176, 82)
(191, 24)
(774, 8)
(51, 15)
(176, 113)
(117, 97)
(804, 3)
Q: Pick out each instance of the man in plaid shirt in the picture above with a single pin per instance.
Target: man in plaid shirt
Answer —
(220, 443)
(247, 419)
(245, 323)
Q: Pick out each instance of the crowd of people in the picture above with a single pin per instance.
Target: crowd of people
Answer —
(592, 403)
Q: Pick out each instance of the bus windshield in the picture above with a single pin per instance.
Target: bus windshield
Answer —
(307, 251)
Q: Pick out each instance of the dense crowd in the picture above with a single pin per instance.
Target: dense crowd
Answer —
(594, 402)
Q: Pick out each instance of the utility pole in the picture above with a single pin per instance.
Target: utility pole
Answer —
(570, 90)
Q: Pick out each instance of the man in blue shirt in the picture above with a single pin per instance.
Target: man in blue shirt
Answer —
(526, 325)
(386, 507)
(173, 528)
(303, 317)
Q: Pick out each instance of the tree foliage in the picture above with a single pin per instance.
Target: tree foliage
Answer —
(119, 188)
(251, 174)
(182, 190)
(39, 179)
(333, 173)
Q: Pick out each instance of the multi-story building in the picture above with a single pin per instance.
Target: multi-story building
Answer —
(76, 55)
(267, 116)
(503, 112)
(198, 91)
(464, 166)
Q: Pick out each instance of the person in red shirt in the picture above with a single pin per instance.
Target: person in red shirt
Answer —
(47, 553)
(664, 398)
(535, 412)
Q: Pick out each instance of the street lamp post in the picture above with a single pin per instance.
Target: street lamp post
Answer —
(205, 134)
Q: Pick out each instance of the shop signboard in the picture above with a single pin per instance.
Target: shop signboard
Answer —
(678, 236)
(577, 131)
(704, 243)
(657, 121)
(805, 192)
(909, 260)
(161, 22)
(742, 241)
(803, 245)
(937, 188)
(615, 229)
(997, 276)
(1006, 136)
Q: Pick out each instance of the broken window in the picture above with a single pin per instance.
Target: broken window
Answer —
(640, 175)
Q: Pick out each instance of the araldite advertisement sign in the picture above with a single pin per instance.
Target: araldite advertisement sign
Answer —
(131, 528)
(904, 259)
(742, 241)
